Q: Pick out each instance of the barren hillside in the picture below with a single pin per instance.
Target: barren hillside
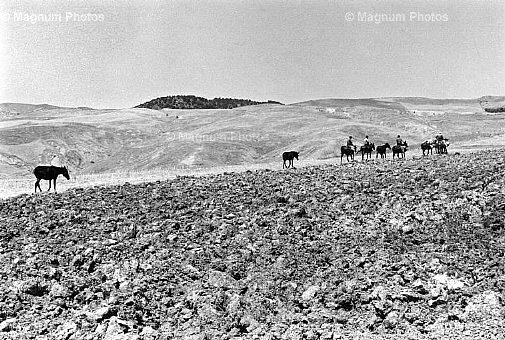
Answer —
(95, 141)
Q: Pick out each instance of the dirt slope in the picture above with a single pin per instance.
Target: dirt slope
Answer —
(410, 248)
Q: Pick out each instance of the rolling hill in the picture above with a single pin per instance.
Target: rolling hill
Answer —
(96, 141)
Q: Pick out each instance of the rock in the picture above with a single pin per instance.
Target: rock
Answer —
(420, 286)
(149, 333)
(447, 282)
(392, 320)
(309, 293)
(454, 284)
(7, 324)
(118, 329)
(407, 229)
(59, 291)
(484, 305)
(234, 303)
(380, 293)
(410, 296)
(382, 307)
(414, 314)
(220, 279)
(66, 330)
(34, 287)
(435, 292)
(102, 313)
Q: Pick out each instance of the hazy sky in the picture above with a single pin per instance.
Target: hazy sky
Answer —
(127, 52)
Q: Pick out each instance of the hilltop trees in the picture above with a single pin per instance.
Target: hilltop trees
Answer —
(194, 102)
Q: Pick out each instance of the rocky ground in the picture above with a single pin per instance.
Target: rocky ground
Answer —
(410, 249)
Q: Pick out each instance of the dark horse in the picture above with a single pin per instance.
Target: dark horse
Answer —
(426, 147)
(400, 150)
(381, 150)
(49, 173)
(288, 156)
(367, 149)
(348, 151)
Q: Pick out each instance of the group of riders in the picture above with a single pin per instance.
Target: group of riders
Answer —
(439, 143)
(366, 142)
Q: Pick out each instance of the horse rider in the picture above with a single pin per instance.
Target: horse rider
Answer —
(440, 140)
(399, 141)
(366, 142)
(350, 144)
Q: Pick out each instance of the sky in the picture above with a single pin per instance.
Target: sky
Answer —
(118, 54)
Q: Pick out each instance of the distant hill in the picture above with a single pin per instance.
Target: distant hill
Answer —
(194, 102)
(419, 106)
(136, 139)
(35, 110)
(493, 104)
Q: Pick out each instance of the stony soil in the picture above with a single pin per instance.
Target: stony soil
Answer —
(410, 249)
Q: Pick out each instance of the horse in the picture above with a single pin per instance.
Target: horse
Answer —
(441, 145)
(400, 150)
(288, 156)
(49, 173)
(367, 149)
(348, 151)
(426, 147)
(381, 150)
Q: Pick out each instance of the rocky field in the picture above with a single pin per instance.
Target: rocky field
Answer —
(404, 249)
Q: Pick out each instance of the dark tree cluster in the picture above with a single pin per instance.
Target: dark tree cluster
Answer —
(495, 109)
(194, 102)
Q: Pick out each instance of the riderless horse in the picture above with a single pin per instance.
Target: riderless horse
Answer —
(367, 149)
(381, 150)
(400, 150)
(49, 173)
(288, 156)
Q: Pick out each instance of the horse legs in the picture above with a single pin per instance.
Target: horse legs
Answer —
(54, 185)
(283, 163)
(37, 184)
(49, 185)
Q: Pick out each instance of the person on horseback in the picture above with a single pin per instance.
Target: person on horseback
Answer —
(366, 142)
(399, 141)
(350, 144)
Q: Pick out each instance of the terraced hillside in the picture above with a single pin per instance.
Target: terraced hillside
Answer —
(409, 248)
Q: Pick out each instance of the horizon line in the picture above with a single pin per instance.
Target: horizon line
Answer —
(297, 102)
